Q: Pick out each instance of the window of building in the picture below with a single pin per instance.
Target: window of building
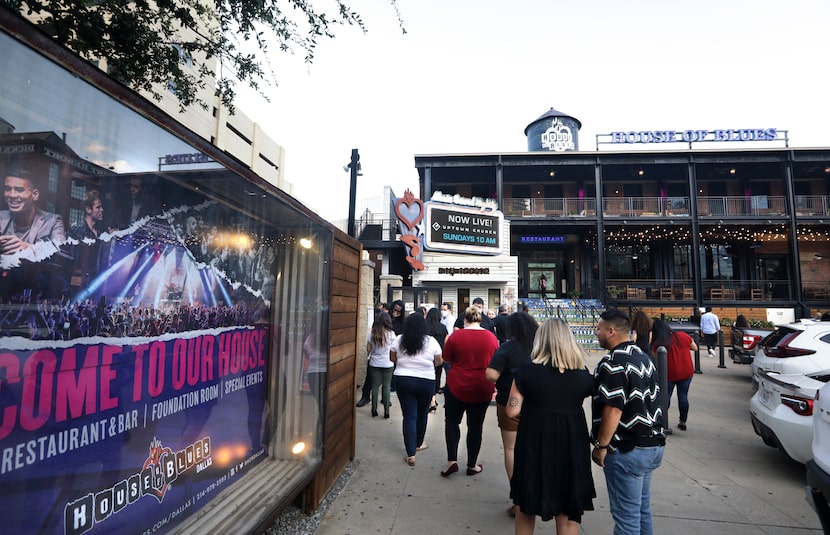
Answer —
(54, 173)
(78, 190)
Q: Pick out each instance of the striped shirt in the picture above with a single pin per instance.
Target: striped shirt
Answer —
(626, 378)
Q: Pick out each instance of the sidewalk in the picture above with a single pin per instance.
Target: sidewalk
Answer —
(718, 477)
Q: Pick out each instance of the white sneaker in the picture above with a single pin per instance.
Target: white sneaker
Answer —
(711, 353)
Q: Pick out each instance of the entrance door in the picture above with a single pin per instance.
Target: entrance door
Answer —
(463, 301)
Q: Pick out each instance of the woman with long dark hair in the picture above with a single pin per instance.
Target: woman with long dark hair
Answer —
(515, 352)
(439, 332)
(415, 354)
(380, 367)
(641, 327)
(469, 350)
(679, 366)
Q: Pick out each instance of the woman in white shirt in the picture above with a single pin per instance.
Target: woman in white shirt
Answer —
(379, 342)
(415, 354)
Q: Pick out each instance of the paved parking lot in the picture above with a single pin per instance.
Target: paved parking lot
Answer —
(717, 477)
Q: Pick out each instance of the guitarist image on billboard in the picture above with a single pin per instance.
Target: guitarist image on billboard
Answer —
(543, 286)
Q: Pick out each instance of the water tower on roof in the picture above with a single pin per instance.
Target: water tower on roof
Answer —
(553, 131)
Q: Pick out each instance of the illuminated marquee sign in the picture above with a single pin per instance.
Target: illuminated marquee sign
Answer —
(694, 136)
(458, 229)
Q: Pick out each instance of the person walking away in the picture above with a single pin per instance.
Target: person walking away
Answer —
(415, 355)
(380, 367)
(500, 321)
(709, 326)
(469, 350)
(366, 389)
(679, 365)
(437, 330)
(519, 329)
(628, 437)
(552, 474)
(641, 327)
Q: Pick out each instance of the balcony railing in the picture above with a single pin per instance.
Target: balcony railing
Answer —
(707, 207)
(757, 205)
(555, 207)
(645, 206)
(713, 290)
(378, 229)
(812, 205)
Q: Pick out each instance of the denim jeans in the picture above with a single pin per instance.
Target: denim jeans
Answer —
(415, 395)
(682, 396)
(628, 477)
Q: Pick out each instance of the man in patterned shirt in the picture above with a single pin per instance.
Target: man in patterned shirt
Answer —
(628, 435)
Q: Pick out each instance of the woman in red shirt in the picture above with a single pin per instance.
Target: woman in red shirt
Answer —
(679, 346)
(467, 390)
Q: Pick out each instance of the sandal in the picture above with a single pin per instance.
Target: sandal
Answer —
(682, 426)
(422, 447)
(410, 461)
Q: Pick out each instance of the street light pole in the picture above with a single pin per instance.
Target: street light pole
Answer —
(354, 167)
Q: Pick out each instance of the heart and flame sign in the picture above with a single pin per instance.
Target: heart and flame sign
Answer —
(410, 212)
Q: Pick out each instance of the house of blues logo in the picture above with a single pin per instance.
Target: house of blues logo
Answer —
(558, 137)
(161, 468)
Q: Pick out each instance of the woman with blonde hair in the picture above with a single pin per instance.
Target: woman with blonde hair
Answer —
(552, 461)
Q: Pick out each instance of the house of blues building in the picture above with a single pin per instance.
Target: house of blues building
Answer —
(657, 219)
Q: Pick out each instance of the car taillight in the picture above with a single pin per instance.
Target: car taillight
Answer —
(802, 406)
(750, 341)
(783, 349)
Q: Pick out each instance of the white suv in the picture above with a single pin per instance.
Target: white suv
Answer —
(801, 347)
(818, 469)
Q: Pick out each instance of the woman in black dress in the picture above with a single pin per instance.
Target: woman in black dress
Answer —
(552, 462)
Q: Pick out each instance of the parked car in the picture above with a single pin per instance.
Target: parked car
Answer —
(818, 468)
(745, 341)
(802, 347)
(782, 411)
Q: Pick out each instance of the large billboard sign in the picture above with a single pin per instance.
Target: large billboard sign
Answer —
(453, 228)
(133, 350)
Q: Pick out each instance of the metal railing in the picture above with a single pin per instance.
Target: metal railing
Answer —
(812, 205)
(376, 229)
(755, 205)
(553, 207)
(645, 206)
(707, 207)
(618, 290)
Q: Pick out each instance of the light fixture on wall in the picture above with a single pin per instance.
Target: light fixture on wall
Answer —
(641, 172)
(732, 171)
(553, 173)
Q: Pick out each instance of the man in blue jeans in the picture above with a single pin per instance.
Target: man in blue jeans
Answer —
(628, 437)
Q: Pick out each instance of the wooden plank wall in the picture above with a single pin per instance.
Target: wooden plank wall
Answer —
(339, 440)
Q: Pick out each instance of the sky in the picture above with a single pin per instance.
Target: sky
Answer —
(469, 76)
